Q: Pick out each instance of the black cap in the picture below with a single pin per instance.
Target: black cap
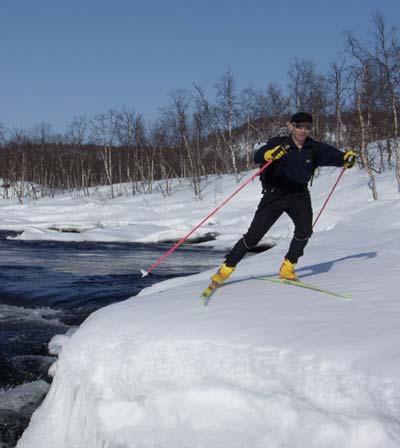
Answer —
(301, 117)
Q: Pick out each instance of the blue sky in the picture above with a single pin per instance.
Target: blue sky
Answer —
(61, 59)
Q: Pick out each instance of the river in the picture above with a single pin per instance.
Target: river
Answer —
(49, 287)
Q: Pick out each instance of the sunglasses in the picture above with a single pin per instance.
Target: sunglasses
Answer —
(306, 127)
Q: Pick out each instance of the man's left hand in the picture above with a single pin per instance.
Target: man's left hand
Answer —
(349, 158)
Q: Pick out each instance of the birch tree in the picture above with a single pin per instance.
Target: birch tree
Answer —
(104, 133)
(227, 106)
(339, 92)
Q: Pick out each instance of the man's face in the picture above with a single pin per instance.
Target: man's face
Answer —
(299, 131)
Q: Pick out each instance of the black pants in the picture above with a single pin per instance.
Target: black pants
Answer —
(272, 205)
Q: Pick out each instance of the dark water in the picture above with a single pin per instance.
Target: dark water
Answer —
(47, 288)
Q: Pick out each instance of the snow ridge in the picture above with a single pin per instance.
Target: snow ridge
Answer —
(191, 393)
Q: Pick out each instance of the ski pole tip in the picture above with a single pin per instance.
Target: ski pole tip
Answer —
(144, 273)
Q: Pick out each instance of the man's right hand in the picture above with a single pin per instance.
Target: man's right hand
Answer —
(275, 153)
(349, 158)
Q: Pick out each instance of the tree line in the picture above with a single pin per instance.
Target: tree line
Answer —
(355, 102)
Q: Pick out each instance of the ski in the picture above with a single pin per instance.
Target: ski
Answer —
(304, 285)
(207, 293)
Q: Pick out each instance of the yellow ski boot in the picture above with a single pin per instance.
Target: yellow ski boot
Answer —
(222, 274)
(286, 272)
(217, 279)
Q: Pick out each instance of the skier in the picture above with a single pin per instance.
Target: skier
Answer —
(285, 189)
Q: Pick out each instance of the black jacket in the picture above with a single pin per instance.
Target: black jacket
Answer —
(294, 170)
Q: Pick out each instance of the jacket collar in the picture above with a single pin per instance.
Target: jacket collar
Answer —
(307, 143)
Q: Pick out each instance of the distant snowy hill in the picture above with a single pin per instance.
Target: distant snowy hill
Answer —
(263, 365)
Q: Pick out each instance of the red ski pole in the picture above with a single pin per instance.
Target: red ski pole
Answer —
(329, 196)
(183, 239)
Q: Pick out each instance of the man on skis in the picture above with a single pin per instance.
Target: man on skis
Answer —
(285, 189)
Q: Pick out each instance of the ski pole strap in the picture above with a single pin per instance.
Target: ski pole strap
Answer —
(184, 238)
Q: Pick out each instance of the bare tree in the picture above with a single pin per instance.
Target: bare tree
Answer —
(278, 106)
(301, 79)
(76, 136)
(179, 118)
(387, 56)
(248, 115)
(339, 91)
(227, 106)
(158, 140)
(213, 150)
(76, 133)
(308, 91)
(362, 94)
(104, 133)
(3, 135)
(383, 58)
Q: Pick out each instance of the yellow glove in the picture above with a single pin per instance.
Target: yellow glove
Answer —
(349, 158)
(275, 153)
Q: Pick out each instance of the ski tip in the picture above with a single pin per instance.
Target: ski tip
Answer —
(204, 299)
(205, 296)
(144, 273)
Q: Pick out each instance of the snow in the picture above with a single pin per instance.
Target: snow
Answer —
(263, 365)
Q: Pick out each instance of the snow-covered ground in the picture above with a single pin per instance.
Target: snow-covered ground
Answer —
(263, 365)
